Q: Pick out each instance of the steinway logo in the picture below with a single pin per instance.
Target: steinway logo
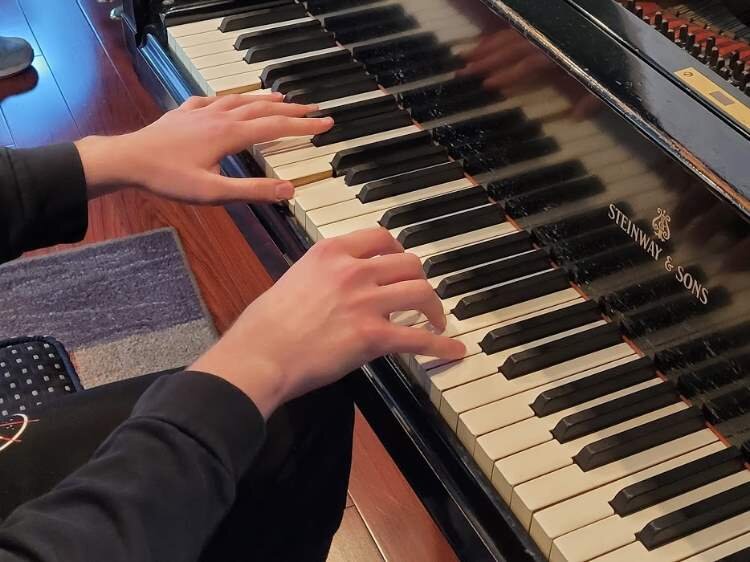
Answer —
(660, 226)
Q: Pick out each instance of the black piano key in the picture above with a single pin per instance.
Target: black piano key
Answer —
(358, 109)
(434, 93)
(727, 405)
(511, 293)
(392, 47)
(671, 311)
(497, 159)
(641, 438)
(475, 254)
(704, 347)
(313, 78)
(312, 42)
(541, 326)
(412, 73)
(575, 225)
(410, 181)
(452, 225)
(286, 33)
(715, 374)
(208, 10)
(493, 273)
(676, 481)
(363, 127)
(587, 244)
(640, 294)
(559, 351)
(273, 72)
(470, 130)
(615, 411)
(613, 261)
(457, 103)
(398, 163)
(324, 93)
(695, 517)
(273, 12)
(552, 197)
(374, 29)
(521, 132)
(354, 19)
(414, 55)
(350, 157)
(317, 7)
(434, 207)
(599, 384)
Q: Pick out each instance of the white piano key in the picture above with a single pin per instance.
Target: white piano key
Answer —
(684, 548)
(487, 389)
(593, 505)
(569, 482)
(513, 409)
(509, 440)
(194, 27)
(542, 459)
(615, 532)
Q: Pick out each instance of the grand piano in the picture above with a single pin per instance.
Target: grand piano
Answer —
(573, 175)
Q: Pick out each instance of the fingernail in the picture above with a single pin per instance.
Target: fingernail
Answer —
(328, 120)
(284, 191)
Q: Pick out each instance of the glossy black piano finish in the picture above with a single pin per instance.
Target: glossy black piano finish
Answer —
(659, 237)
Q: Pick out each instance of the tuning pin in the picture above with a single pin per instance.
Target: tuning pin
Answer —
(713, 58)
(658, 17)
(695, 50)
(745, 80)
(664, 27)
(739, 70)
(710, 44)
(631, 5)
(683, 34)
(719, 64)
(734, 58)
(689, 42)
(725, 73)
(639, 11)
(670, 35)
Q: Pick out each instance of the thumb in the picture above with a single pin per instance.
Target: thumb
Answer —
(251, 190)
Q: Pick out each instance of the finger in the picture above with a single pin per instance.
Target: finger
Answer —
(412, 295)
(266, 129)
(394, 268)
(500, 58)
(196, 102)
(419, 341)
(256, 190)
(520, 73)
(267, 108)
(232, 101)
(369, 242)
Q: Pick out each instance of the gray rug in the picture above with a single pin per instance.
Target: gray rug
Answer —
(122, 308)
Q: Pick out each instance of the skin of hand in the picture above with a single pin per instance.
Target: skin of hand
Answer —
(328, 315)
(178, 156)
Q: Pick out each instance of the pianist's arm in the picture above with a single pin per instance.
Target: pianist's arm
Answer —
(160, 484)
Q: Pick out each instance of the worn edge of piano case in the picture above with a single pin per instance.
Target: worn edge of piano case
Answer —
(477, 535)
(676, 135)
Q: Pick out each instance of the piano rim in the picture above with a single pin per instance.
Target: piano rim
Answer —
(382, 408)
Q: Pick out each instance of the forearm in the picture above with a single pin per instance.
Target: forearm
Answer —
(158, 486)
(42, 198)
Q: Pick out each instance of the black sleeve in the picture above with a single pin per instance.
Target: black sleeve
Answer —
(42, 198)
(156, 489)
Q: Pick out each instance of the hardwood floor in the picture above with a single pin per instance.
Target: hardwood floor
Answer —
(83, 84)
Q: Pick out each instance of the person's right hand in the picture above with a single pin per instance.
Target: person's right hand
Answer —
(328, 315)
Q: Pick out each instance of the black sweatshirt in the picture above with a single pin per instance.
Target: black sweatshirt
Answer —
(158, 487)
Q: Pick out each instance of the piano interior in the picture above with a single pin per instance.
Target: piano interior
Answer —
(580, 205)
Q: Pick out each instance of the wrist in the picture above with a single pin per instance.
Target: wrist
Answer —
(259, 379)
(107, 164)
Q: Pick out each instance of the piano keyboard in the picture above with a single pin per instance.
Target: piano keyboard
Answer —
(595, 452)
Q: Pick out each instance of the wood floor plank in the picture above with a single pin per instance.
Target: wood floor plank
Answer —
(34, 108)
(399, 523)
(13, 23)
(353, 541)
(109, 32)
(85, 75)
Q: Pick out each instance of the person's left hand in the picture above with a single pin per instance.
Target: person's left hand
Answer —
(178, 156)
